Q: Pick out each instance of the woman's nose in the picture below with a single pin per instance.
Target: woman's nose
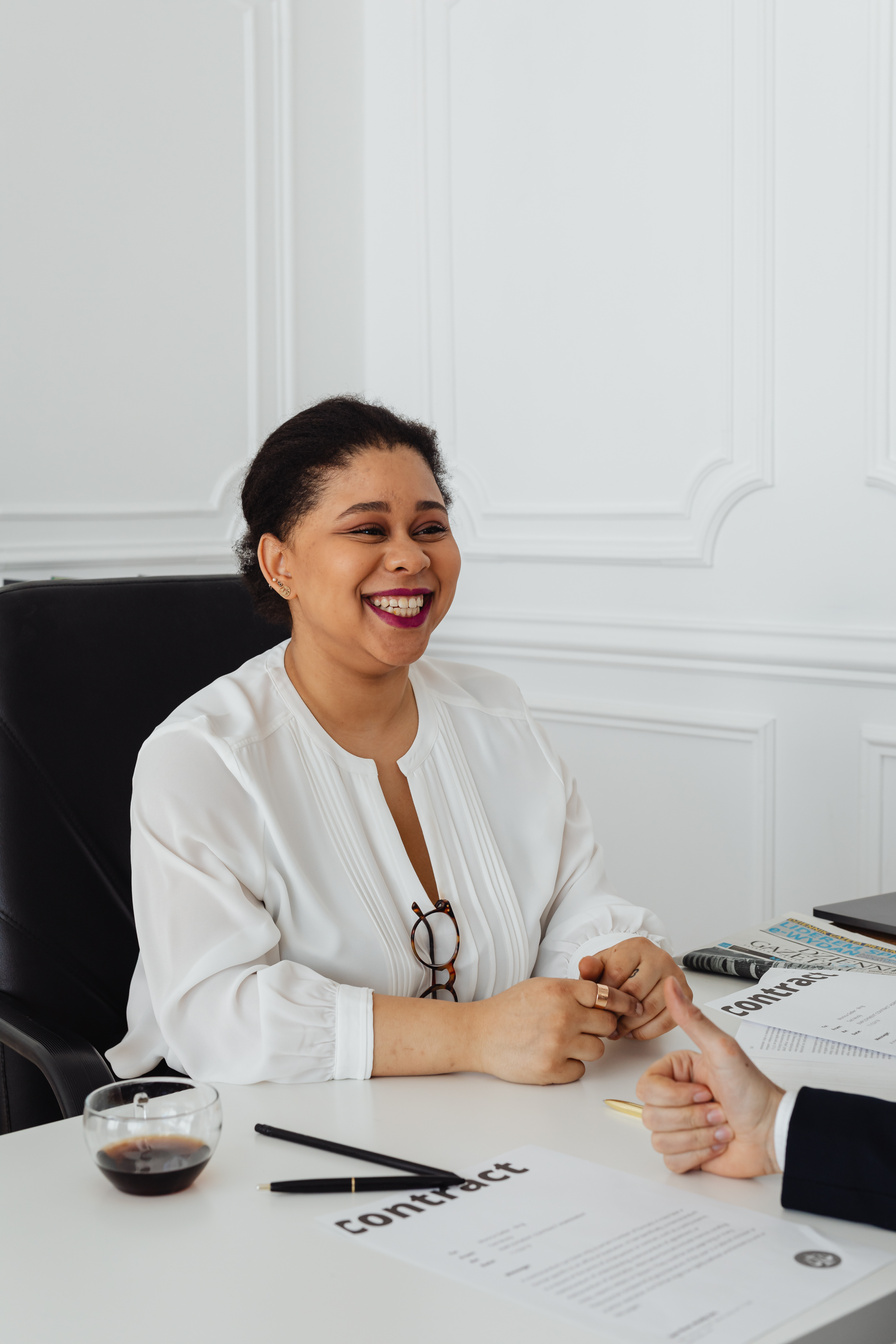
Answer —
(407, 556)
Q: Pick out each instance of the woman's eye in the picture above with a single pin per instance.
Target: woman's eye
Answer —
(433, 529)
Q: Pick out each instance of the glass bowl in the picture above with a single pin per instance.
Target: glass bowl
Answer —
(152, 1136)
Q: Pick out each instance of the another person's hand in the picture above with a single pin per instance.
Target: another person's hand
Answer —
(638, 967)
(726, 1123)
(544, 1030)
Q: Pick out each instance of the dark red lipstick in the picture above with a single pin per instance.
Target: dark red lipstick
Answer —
(404, 622)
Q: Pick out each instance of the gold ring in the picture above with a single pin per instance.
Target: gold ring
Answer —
(603, 996)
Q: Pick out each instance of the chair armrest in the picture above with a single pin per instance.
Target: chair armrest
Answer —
(68, 1061)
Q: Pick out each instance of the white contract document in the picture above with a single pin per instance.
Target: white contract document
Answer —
(635, 1261)
(794, 1060)
(852, 1007)
(773, 1044)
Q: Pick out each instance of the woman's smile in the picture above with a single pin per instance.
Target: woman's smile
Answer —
(401, 606)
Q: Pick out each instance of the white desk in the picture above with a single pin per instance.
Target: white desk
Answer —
(222, 1262)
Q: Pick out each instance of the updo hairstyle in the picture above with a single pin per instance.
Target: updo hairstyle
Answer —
(287, 474)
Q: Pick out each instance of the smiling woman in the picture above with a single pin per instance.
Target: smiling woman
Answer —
(342, 830)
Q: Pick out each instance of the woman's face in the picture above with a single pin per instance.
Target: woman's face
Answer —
(376, 547)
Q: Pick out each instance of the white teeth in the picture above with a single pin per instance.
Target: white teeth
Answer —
(401, 606)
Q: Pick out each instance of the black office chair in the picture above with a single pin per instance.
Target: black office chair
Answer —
(87, 670)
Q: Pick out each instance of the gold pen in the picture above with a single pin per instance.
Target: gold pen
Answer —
(626, 1107)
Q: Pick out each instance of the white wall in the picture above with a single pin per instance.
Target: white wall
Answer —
(183, 248)
(634, 260)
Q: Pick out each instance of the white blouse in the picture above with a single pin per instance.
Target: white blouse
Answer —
(272, 891)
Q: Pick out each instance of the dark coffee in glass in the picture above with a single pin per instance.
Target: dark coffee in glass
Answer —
(157, 1164)
(152, 1136)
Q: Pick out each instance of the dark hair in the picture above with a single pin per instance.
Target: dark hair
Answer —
(289, 470)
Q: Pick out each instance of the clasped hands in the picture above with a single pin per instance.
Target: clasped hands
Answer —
(545, 1030)
(638, 969)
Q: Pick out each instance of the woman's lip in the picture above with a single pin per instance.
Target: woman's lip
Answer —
(404, 622)
(401, 592)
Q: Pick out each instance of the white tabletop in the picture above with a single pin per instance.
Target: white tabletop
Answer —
(223, 1262)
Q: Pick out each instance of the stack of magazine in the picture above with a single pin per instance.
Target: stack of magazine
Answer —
(793, 940)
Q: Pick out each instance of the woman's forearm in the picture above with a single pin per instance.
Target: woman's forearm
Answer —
(417, 1036)
(539, 1031)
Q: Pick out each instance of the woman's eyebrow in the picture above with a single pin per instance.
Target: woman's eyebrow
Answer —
(372, 506)
(382, 506)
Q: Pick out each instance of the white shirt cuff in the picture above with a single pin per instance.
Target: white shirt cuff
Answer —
(354, 1032)
(782, 1126)
(599, 944)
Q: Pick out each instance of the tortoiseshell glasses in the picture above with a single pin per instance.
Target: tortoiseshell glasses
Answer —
(440, 908)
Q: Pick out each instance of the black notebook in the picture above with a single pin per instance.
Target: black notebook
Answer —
(877, 914)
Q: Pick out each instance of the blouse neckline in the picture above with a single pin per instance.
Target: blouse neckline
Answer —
(422, 745)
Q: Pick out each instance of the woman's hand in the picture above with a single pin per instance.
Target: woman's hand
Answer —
(726, 1124)
(638, 967)
(544, 1030)
(539, 1031)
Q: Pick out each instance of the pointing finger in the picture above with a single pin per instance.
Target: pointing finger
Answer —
(689, 1017)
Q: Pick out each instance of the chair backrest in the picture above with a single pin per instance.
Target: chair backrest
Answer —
(87, 670)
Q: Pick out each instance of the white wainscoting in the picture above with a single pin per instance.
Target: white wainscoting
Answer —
(878, 816)
(683, 805)
(814, 654)
(671, 398)
(720, 763)
(172, 284)
(881, 297)
(506, 182)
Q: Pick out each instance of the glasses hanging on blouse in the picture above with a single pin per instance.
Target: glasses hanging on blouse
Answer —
(423, 942)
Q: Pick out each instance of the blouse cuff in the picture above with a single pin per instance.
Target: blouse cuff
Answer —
(782, 1126)
(593, 946)
(354, 1032)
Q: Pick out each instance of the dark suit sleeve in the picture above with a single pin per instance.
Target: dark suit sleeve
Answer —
(841, 1157)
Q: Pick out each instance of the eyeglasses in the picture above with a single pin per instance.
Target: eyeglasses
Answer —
(440, 908)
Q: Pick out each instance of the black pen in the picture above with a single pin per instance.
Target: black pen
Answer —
(351, 1185)
(329, 1146)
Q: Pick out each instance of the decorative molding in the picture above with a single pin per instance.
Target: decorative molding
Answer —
(221, 502)
(683, 531)
(253, 253)
(755, 731)
(878, 746)
(880, 439)
(284, 216)
(151, 531)
(812, 654)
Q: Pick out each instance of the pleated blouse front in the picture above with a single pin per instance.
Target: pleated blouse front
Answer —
(273, 894)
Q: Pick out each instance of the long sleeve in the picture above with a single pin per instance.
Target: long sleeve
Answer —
(584, 916)
(782, 1126)
(225, 1004)
(841, 1157)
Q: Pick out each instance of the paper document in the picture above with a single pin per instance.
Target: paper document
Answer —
(635, 1261)
(793, 1060)
(766, 1043)
(843, 1006)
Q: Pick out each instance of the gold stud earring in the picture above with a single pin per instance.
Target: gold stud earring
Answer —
(287, 592)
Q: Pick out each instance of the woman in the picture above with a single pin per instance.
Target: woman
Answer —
(297, 823)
